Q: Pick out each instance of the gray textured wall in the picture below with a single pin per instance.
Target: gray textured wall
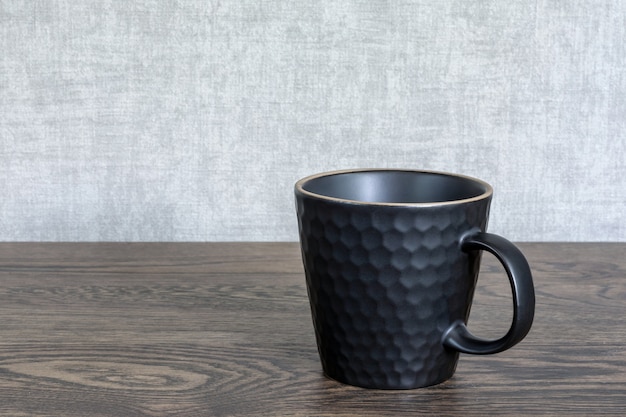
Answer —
(191, 120)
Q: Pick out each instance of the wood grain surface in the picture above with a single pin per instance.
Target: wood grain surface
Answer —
(224, 329)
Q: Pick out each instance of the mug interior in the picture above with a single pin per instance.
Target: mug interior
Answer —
(394, 187)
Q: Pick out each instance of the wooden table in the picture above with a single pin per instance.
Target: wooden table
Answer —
(224, 329)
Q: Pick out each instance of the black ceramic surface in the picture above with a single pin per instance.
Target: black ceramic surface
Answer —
(391, 263)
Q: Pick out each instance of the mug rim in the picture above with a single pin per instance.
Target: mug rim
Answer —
(299, 187)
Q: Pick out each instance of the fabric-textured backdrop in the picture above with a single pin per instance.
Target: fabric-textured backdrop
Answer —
(191, 119)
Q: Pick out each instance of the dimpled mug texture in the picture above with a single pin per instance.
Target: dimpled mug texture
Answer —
(384, 283)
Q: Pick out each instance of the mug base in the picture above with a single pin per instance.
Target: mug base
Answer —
(395, 382)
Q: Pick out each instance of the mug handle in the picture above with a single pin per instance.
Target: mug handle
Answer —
(458, 337)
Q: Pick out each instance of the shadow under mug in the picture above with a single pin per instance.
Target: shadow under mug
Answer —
(391, 259)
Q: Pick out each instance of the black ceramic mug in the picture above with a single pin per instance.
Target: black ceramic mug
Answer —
(391, 259)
